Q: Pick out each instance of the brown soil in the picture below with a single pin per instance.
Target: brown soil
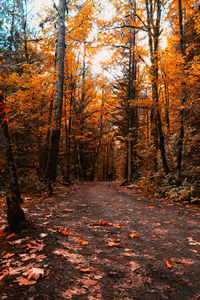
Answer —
(97, 241)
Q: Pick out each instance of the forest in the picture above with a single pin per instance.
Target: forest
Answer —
(133, 116)
(99, 149)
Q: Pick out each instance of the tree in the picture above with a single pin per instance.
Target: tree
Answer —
(57, 111)
(183, 94)
(15, 214)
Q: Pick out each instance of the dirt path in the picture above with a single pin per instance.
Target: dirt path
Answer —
(119, 246)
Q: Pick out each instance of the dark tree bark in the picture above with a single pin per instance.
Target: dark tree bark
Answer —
(69, 128)
(183, 98)
(153, 26)
(132, 113)
(15, 214)
(57, 111)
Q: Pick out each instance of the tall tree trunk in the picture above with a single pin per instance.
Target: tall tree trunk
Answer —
(24, 19)
(96, 152)
(131, 98)
(181, 133)
(153, 24)
(57, 111)
(82, 108)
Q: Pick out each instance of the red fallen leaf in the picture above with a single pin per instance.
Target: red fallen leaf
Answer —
(133, 235)
(113, 199)
(64, 232)
(2, 233)
(168, 263)
(153, 236)
(115, 244)
(101, 223)
(10, 236)
(82, 242)
(23, 281)
(86, 270)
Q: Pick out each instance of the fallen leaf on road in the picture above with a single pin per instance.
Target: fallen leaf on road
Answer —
(186, 261)
(86, 282)
(61, 252)
(8, 255)
(26, 257)
(24, 281)
(82, 242)
(101, 223)
(194, 251)
(115, 244)
(156, 224)
(34, 273)
(168, 263)
(34, 246)
(40, 257)
(133, 235)
(10, 236)
(19, 241)
(64, 232)
(52, 230)
(85, 270)
(73, 291)
(192, 241)
(133, 265)
(97, 277)
(43, 235)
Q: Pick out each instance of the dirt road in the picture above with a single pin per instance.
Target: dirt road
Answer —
(99, 242)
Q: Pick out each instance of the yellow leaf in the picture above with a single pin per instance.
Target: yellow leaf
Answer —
(134, 235)
(168, 263)
(82, 242)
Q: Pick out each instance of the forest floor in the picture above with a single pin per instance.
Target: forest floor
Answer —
(99, 241)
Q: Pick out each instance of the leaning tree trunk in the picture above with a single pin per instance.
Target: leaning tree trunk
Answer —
(57, 111)
(15, 214)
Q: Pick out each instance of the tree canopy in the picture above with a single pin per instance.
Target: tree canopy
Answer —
(136, 119)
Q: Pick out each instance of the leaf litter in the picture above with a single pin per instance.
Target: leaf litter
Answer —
(81, 254)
